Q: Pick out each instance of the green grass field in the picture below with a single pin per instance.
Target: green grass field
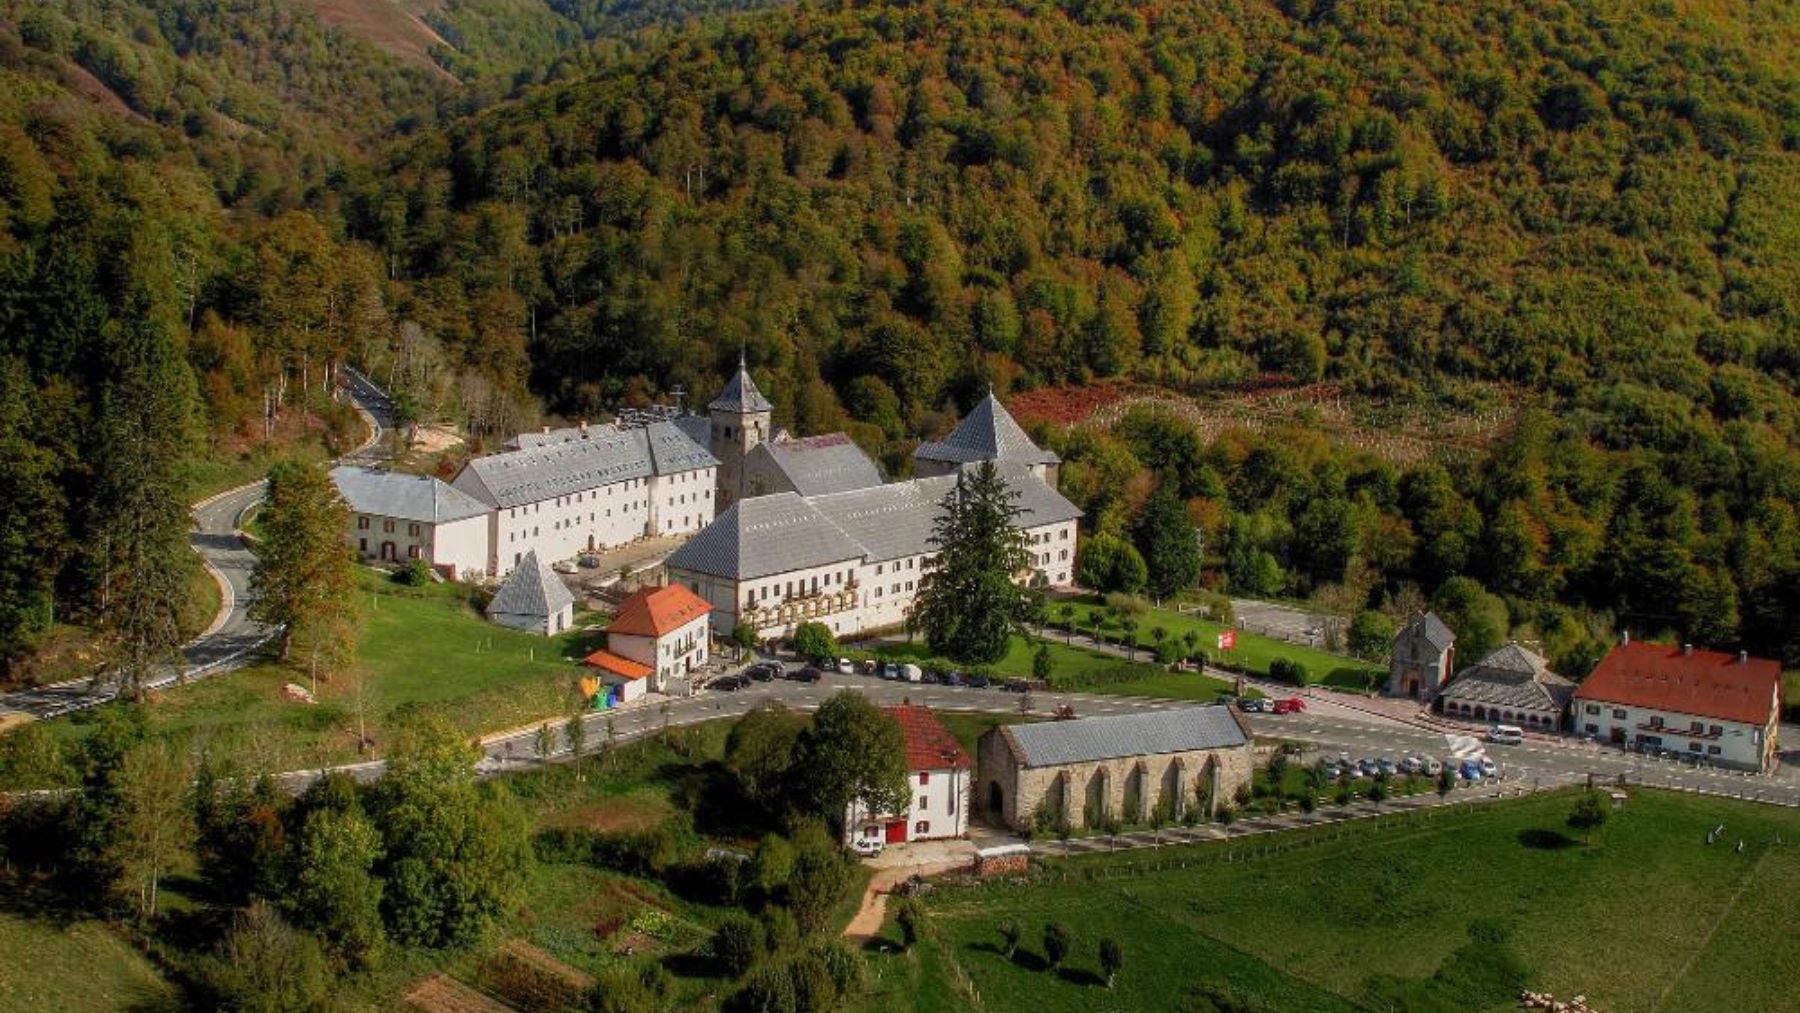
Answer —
(420, 646)
(1081, 669)
(1452, 912)
(1252, 654)
(53, 965)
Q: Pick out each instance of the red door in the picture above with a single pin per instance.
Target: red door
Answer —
(896, 832)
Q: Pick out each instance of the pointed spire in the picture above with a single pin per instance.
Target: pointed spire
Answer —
(740, 394)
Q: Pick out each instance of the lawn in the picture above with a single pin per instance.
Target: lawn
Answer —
(1450, 911)
(50, 964)
(1078, 669)
(418, 646)
(1252, 654)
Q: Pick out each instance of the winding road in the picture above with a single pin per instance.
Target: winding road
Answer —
(233, 636)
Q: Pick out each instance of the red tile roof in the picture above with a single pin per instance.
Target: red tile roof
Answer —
(1706, 684)
(654, 611)
(624, 668)
(929, 745)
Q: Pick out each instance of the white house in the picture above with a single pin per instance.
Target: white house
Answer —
(533, 599)
(665, 629)
(1723, 707)
(937, 776)
(395, 516)
(591, 488)
(851, 560)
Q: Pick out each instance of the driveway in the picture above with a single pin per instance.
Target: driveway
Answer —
(895, 865)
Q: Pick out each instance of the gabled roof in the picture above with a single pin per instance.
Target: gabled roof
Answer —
(1428, 626)
(764, 535)
(1511, 676)
(407, 497)
(1707, 684)
(740, 394)
(929, 745)
(896, 520)
(624, 668)
(1153, 733)
(988, 433)
(816, 465)
(655, 611)
(532, 589)
(537, 473)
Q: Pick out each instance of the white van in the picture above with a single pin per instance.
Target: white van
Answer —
(1506, 735)
(912, 673)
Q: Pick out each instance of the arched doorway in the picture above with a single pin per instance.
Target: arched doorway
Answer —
(996, 800)
(387, 551)
(1099, 798)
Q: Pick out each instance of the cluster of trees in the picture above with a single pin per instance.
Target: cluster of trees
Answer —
(423, 857)
(787, 766)
(1562, 526)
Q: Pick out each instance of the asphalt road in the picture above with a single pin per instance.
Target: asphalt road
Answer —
(232, 636)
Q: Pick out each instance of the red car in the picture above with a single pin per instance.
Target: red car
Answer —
(1292, 705)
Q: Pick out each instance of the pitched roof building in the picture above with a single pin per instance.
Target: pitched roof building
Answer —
(1725, 708)
(1424, 657)
(937, 774)
(533, 598)
(667, 630)
(1127, 768)
(810, 466)
(395, 516)
(1511, 686)
(987, 433)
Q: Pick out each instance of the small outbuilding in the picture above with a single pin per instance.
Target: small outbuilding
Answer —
(534, 599)
(629, 678)
(1424, 658)
(1511, 685)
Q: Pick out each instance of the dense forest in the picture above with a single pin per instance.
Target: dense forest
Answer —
(1587, 208)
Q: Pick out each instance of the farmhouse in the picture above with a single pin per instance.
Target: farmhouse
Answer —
(1511, 686)
(533, 599)
(603, 486)
(664, 628)
(396, 516)
(1723, 707)
(851, 560)
(937, 773)
(1127, 767)
(1424, 656)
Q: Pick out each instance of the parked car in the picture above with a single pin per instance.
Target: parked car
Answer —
(1368, 768)
(868, 847)
(1409, 765)
(1018, 686)
(890, 671)
(1506, 735)
(1469, 771)
(563, 566)
(912, 673)
(871, 667)
(810, 673)
(1432, 767)
(977, 682)
(1254, 706)
(1387, 766)
(1330, 770)
(1291, 705)
(846, 667)
(1489, 768)
(1225, 698)
(588, 560)
(762, 671)
(729, 683)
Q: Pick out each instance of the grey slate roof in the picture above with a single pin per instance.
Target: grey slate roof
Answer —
(740, 395)
(989, 433)
(567, 434)
(818, 465)
(763, 535)
(1514, 677)
(1177, 730)
(408, 497)
(697, 427)
(531, 474)
(532, 589)
(783, 532)
(1430, 627)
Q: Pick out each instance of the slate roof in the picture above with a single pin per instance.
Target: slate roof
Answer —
(764, 535)
(817, 465)
(1176, 730)
(929, 745)
(988, 433)
(408, 497)
(740, 394)
(783, 532)
(568, 434)
(532, 589)
(531, 474)
(1429, 626)
(654, 611)
(1706, 684)
(1514, 677)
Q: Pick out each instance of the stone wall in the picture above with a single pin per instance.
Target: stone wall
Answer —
(1128, 789)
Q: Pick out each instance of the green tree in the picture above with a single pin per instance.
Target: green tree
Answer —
(1108, 563)
(760, 751)
(332, 884)
(33, 532)
(772, 864)
(1589, 814)
(820, 882)
(1057, 940)
(909, 915)
(969, 602)
(153, 822)
(269, 967)
(736, 944)
(814, 640)
(1112, 957)
(851, 752)
(303, 578)
(1165, 539)
(1478, 618)
(1041, 663)
(1371, 636)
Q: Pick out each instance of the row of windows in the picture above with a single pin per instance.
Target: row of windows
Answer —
(362, 524)
(1656, 721)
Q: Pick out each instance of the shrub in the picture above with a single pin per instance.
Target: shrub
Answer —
(849, 973)
(814, 640)
(780, 930)
(736, 944)
(814, 989)
(640, 852)
(910, 917)
(1283, 670)
(1056, 944)
(416, 574)
(1127, 604)
(767, 989)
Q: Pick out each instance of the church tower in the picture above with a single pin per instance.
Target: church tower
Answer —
(740, 421)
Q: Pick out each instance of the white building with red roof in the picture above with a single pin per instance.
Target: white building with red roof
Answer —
(1723, 707)
(937, 773)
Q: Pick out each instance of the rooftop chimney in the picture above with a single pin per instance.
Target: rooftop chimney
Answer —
(1687, 649)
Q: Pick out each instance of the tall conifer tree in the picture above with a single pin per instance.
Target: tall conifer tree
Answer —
(303, 578)
(969, 603)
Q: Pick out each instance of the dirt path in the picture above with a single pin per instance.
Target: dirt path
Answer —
(867, 923)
